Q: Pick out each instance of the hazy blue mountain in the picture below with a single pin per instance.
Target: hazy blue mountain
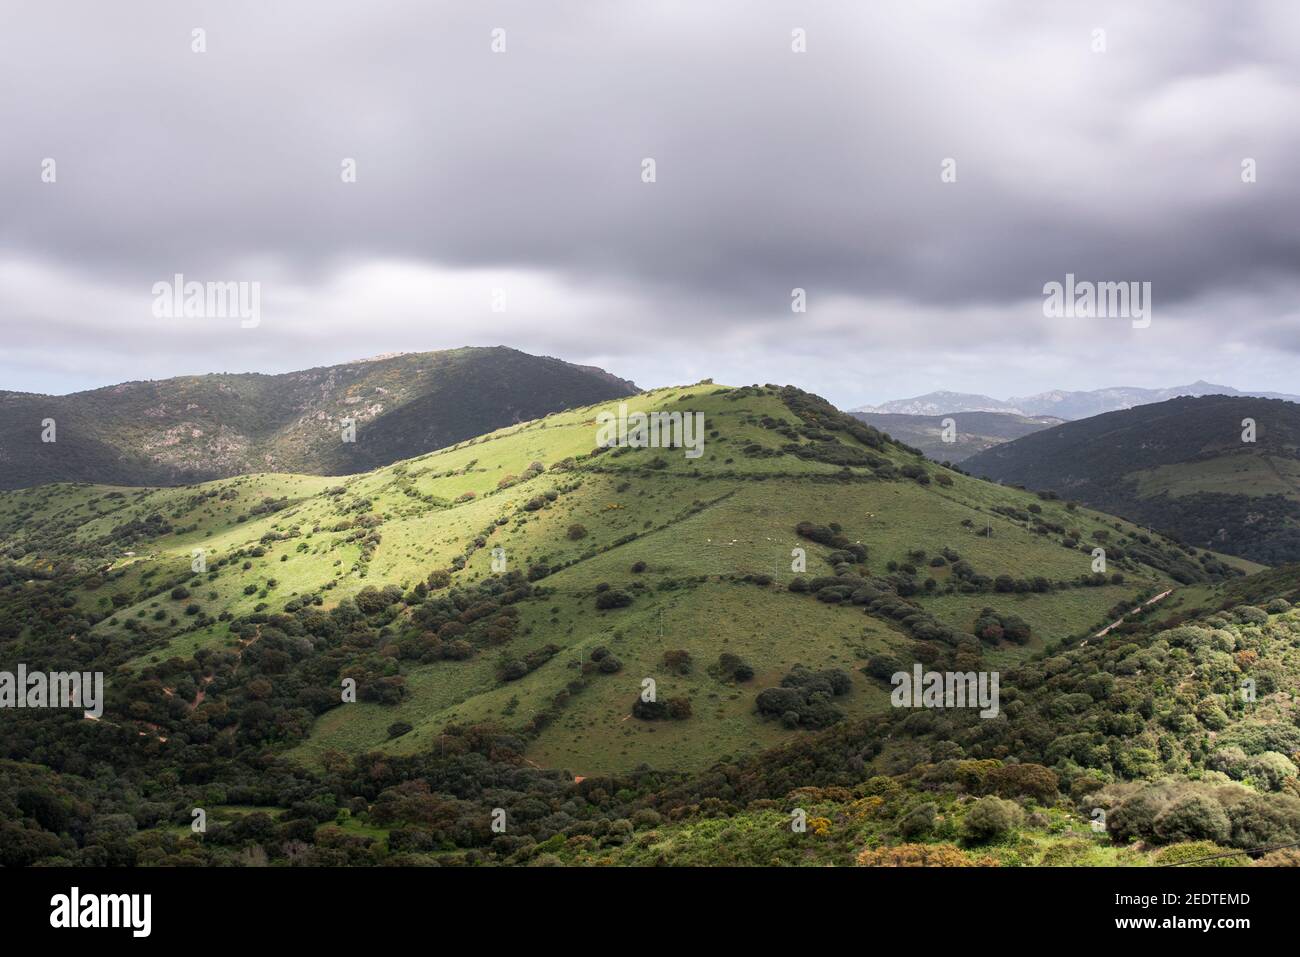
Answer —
(1059, 403)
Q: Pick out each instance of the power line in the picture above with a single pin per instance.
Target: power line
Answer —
(1249, 850)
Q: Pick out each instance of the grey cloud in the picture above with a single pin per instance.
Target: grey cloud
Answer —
(775, 170)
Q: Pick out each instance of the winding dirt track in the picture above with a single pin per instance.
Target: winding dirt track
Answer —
(1146, 604)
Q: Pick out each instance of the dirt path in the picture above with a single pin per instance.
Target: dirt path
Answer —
(1142, 607)
(243, 646)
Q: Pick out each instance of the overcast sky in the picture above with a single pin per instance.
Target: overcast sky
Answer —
(521, 171)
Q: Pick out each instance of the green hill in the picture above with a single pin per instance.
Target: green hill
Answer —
(701, 549)
(193, 428)
(480, 687)
(1180, 466)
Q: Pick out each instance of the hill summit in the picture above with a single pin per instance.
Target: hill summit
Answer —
(196, 428)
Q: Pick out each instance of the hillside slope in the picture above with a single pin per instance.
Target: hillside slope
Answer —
(499, 605)
(1173, 743)
(667, 563)
(193, 428)
(1179, 466)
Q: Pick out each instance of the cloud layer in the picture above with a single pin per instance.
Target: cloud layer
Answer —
(519, 174)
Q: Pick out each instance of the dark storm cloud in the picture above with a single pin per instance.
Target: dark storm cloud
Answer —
(775, 170)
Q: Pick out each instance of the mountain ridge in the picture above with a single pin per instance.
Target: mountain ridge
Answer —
(194, 428)
(1060, 403)
(1182, 466)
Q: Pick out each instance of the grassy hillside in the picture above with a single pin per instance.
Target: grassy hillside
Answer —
(973, 432)
(1180, 466)
(1150, 757)
(498, 607)
(700, 548)
(192, 428)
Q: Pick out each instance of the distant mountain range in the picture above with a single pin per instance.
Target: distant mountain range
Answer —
(196, 428)
(1181, 467)
(972, 432)
(1060, 404)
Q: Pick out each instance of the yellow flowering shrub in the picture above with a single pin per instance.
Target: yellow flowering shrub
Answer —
(921, 855)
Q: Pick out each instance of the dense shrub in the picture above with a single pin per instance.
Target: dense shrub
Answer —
(883, 667)
(1194, 817)
(613, 598)
(733, 667)
(918, 822)
(803, 698)
(990, 819)
(1023, 780)
(921, 855)
(1259, 820)
(677, 661)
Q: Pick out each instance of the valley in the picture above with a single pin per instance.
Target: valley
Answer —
(957, 436)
